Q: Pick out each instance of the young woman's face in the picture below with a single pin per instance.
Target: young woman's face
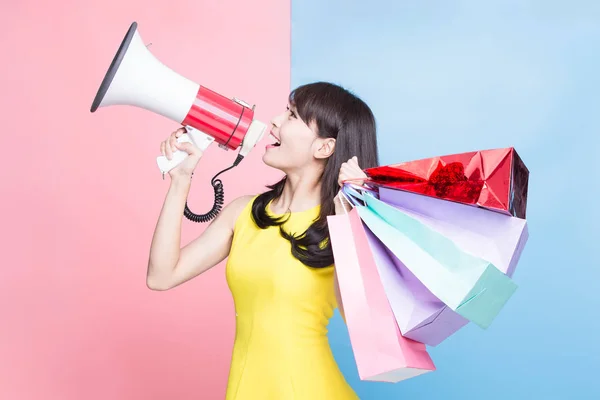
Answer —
(293, 145)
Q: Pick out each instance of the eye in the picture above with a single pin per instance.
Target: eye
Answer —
(292, 114)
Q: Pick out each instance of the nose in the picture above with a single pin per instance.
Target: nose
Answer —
(276, 121)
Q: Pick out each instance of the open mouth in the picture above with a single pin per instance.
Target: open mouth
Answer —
(277, 141)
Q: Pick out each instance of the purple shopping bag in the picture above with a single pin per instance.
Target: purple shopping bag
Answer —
(420, 315)
(496, 237)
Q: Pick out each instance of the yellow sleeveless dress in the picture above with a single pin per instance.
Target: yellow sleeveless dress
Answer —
(281, 349)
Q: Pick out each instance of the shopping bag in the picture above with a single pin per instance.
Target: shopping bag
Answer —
(469, 285)
(380, 351)
(493, 236)
(498, 238)
(420, 315)
(494, 179)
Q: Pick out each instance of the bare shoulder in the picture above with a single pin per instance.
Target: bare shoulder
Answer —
(241, 202)
(232, 211)
(237, 205)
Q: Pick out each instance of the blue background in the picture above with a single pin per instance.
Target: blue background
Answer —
(447, 77)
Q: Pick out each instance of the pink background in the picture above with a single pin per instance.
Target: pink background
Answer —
(81, 193)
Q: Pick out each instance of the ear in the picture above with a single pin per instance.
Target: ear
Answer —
(325, 148)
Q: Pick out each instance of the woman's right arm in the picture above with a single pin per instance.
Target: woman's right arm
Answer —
(169, 265)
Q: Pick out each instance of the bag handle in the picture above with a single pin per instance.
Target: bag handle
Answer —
(357, 193)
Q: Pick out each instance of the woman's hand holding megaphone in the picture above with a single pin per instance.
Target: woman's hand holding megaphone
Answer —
(169, 146)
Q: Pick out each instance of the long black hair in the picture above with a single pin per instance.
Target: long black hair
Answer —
(341, 115)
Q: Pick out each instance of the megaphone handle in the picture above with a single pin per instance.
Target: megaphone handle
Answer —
(194, 136)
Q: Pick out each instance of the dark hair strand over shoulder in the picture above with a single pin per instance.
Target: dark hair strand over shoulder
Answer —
(338, 114)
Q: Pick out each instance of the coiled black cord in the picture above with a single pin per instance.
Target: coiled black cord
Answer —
(217, 185)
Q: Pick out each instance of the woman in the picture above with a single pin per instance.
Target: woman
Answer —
(280, 263)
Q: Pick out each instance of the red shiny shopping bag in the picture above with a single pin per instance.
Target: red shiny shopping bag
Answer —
(494, 179)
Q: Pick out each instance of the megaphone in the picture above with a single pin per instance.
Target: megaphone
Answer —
(136, 78)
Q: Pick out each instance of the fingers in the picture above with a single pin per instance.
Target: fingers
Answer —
(168, 149)
(353, 162)
(351, 171)
(179, 132)
(174, 136)
(347, 172)
(185, 146)
(170, 146)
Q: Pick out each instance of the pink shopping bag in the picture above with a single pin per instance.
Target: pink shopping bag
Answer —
(380, 351)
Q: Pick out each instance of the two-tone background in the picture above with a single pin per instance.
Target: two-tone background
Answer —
(80, 192)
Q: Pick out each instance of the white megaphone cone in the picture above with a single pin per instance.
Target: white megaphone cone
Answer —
(136, 78)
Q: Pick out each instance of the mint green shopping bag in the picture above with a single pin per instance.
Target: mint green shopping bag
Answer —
(469, 285)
